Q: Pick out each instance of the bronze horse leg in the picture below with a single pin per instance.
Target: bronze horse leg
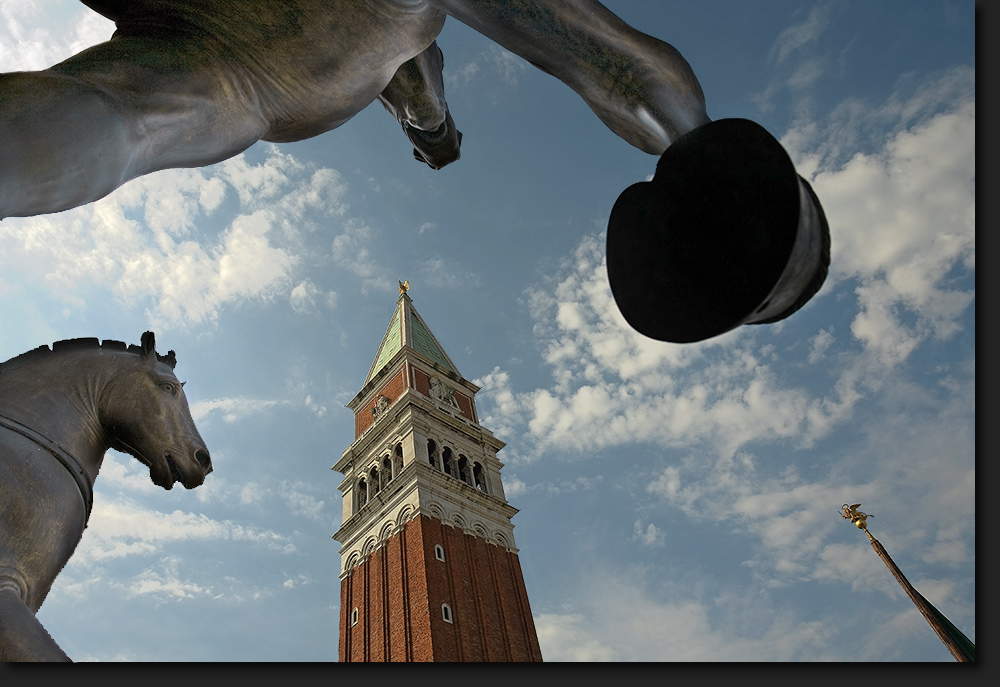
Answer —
(639, 86)
(22, 637)
(415, 97)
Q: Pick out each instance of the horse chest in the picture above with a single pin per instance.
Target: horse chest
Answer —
(41, 514)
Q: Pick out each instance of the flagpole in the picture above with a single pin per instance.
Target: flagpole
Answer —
(958, 644)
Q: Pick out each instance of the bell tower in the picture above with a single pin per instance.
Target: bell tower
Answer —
(429, 569)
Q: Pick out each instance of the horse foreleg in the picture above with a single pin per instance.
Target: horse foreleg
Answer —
(22, 637)
(415, 97)
(639, 86)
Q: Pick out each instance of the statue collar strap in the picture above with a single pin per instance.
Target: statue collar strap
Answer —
(64, 457)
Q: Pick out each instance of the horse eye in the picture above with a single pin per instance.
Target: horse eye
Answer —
(167, 386)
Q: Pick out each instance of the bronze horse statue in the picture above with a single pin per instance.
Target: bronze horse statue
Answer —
(725, 234)
(60, 411)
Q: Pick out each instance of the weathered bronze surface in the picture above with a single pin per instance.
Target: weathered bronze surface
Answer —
(60, 411)
(186, 83)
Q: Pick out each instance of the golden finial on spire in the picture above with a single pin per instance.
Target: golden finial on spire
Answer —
(854, 515)
(404, 286)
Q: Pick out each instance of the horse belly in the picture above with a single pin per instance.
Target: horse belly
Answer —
(337, 69)
(310, 65)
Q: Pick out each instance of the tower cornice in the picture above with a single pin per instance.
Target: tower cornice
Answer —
(422, 487)
(400, 414)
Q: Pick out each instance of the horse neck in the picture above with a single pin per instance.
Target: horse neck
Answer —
(59, 398)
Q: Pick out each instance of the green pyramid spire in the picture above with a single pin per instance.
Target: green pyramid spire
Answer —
(407, 328)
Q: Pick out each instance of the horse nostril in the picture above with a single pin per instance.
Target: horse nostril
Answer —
(203, 459)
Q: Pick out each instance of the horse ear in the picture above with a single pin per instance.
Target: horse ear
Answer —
(148, 344)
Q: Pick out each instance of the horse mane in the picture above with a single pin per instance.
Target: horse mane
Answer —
(43, 353)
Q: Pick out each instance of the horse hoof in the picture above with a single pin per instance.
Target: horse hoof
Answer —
(437, 148)
(726, 233)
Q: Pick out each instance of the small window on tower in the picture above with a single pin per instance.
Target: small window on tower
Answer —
(439, 552)
(446, 613)
(354, 617)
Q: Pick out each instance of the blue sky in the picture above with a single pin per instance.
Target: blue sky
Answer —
(677, 502)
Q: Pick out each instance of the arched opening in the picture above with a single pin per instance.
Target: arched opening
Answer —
(432, 454)
(362, 492)
(397, 460)
(446, 613)
(373, 476)
(464, 473)
(479, 478)
(449, 467)
(386, 473)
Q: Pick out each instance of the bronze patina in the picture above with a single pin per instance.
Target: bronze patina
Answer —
(61, 409)
(187, 83)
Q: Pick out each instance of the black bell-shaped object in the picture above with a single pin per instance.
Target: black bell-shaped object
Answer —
(726, 233)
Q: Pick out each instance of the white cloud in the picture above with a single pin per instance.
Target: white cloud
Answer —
(796, 36)
(25, 46)
(820, 343)
(352, 251)
(561, 638)
(298, 581)
(611, 386)
(313, 406)
(505, 63)
(902, 220)
(126, 473)
(285, 184)
(794, 516)
(301, 499)
(726, 419)
(302, 503)
(615, 615)
(806, 74)
(903, 217)
(166, 585)
(494, 61)
(650, 535)
(798, 63)
(120, 527)
(152, 240)
(513, 487)
(232, 409)
(436, 272)
(252, 492)
(306, 298)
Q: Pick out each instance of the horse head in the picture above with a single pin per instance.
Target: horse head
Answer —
(145, 413)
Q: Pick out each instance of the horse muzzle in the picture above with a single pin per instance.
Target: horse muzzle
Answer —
(190, 472)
